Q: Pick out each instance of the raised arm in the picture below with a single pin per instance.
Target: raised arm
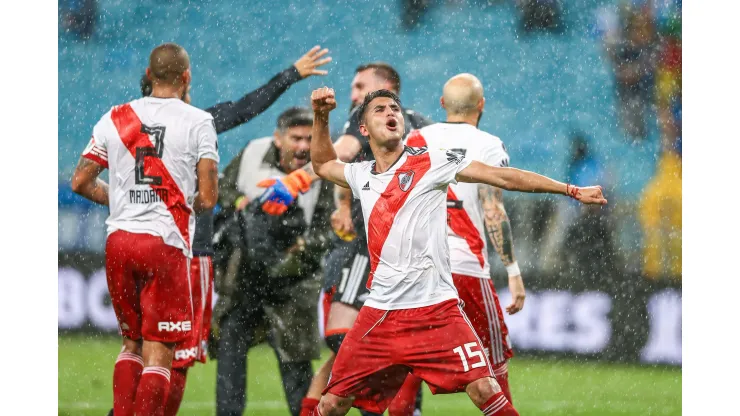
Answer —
(231, 114)
(323, 157)
(513, 179)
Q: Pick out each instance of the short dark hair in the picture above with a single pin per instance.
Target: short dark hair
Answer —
(371, 96)
(146, 86)
(293, 117)
(385, 71)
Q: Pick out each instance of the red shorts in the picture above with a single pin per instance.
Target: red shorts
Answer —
(481, 305)
(195, 348)
(435, 343)
(148, 286)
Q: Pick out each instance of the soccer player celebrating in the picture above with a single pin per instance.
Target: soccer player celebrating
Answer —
(347, 264)
(226, 116)
(474, 212)
(411, 320)
(158, 150)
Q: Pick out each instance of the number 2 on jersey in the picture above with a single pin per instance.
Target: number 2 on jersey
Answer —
(470, 354)
(143, 152)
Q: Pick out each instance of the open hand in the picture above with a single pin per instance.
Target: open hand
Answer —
(516, 288)
(307, 64)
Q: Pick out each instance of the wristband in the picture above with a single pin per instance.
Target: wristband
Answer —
(238, 201)
(513, 269)
(571, 190)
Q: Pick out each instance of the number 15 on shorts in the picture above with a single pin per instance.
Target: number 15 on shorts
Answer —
(468, 353)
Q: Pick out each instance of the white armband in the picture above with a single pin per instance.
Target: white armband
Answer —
(513, 269)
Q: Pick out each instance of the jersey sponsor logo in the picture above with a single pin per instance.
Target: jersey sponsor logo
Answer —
(180, 326)
(148, 196)
(366, 187)
(405, 179)
(186, 354)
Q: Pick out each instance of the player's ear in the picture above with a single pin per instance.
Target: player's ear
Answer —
(442, 102)
(148, 73)
(187, 76)
(363, 130)
(481, 104)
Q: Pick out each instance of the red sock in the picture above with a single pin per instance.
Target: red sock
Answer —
(404, 403)
(151, 395)
(126, 376)
(498, 405)
(178, 377)
(501, 372)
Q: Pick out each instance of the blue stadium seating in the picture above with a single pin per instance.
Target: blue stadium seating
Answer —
(539, 87)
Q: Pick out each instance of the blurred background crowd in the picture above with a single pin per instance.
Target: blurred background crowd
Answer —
(582, 90)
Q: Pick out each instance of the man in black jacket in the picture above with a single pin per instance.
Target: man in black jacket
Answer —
(272, 282)
(226, 116)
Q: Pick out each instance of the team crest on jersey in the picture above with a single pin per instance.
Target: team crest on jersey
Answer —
(405, 180)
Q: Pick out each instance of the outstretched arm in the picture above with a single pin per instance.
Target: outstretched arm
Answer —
(513, 179)
(85, 181)
(323, 157)
(231, 114)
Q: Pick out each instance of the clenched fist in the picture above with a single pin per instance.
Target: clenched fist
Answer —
(587, 194)
(323, 100)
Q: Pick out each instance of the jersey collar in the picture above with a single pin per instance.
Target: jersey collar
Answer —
(405, 149)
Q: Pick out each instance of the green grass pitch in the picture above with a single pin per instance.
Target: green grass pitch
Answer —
(539, 387)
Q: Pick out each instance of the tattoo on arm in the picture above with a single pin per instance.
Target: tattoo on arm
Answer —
(94, 188)
(496, 221)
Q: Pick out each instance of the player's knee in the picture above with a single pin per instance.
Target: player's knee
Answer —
(332, 405)
(334, 341)
(482, 389)
(131, 346)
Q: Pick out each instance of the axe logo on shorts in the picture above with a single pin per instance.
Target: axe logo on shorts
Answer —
(405, 179)
(186, 354)
(174, 326)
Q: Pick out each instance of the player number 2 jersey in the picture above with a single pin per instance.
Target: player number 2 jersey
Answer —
(151, 147)
(465, 226)
(405, 216)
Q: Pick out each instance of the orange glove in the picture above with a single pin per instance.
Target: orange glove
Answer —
(282, 192)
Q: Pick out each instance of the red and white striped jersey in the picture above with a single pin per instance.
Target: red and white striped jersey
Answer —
(465, 227)
(405, 214)
(151, 147)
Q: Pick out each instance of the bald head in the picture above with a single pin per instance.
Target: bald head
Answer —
(463, 96)
(167, 64)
